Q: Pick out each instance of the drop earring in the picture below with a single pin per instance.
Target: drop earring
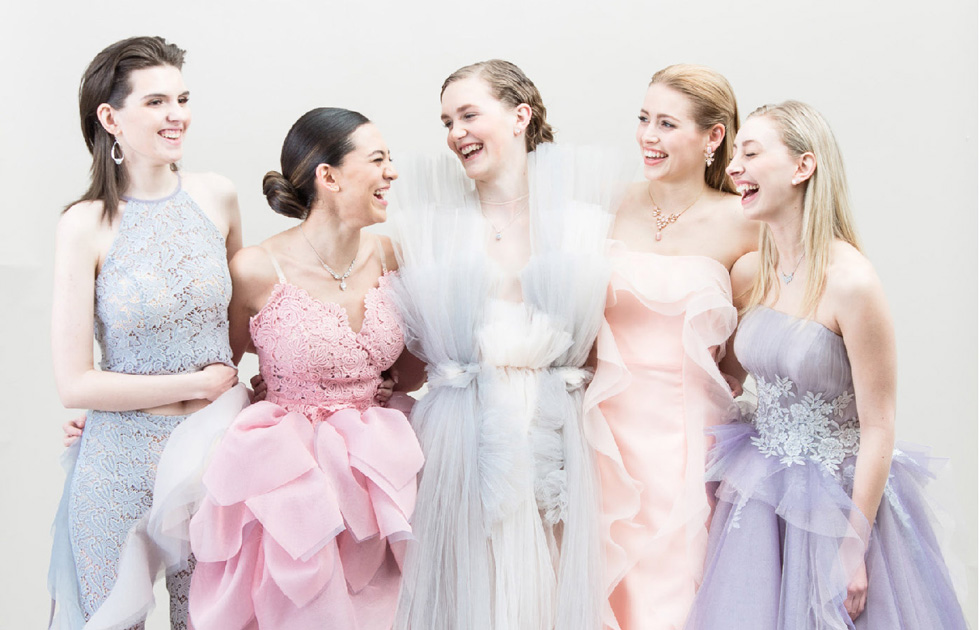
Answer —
(709, 156)
(112, 153)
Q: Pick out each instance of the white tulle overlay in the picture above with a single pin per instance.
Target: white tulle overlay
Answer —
(160, 541)
(507, 513)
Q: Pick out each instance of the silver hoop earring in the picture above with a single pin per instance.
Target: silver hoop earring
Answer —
(709, 156)
(112, 153)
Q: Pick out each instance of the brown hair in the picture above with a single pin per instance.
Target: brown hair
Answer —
(106, 80)
(320, 136)
(510, 85)
(713, 102)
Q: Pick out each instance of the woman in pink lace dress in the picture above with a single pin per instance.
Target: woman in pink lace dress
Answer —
(310, 492)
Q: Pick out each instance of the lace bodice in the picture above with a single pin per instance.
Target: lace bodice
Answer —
(161, 297)
(806, 408)
(311, 359)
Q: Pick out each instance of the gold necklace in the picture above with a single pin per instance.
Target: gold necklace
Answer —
(665, 220)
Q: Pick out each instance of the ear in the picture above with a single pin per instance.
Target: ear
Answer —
(523, 112)
(326, 176)
(715, 136)
(806, 166)
(107, 116)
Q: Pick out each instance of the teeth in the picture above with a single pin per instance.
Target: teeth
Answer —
(170, 134)
(744, 189)
(470, 148)
(649, 153)
(380, 193)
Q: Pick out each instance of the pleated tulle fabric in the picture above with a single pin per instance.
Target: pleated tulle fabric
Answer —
(506, 521)
(656, 388)
(785, 537)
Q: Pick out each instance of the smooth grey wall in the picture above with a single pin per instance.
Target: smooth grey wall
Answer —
(897, 81)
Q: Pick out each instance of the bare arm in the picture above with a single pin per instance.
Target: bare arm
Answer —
(252, 280)
(79, 384)
(743, 275)
(869, 336)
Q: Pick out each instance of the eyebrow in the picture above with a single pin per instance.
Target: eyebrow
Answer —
(372, 153)
(184, 93)
(458, 110)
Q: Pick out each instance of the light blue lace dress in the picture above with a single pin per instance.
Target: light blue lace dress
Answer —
(161, 307)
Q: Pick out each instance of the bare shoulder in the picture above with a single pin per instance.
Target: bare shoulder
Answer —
(744, 273)
(253, 265)
(218, 185)
(214, 193)
(384, 242)
(850, 274)
(633, 203)
(728, 212)
(81, 221)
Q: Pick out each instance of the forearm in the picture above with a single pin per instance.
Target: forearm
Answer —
(872, 468)
(112, 391)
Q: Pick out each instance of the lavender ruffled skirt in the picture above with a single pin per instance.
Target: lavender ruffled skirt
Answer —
(784, 541)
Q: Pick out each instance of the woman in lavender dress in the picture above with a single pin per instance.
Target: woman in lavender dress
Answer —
(820, 523)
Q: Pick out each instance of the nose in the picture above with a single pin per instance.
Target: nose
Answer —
(650, 135)
(391, 173)
(177, 112)
(734, 167)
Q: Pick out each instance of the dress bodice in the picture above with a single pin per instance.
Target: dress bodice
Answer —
(161, 297)
(310, 357)
(806, 408)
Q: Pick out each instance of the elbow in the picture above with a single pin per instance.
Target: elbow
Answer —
(72, 393)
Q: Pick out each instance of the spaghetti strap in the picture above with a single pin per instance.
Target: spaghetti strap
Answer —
(381, 255)
(275, 263)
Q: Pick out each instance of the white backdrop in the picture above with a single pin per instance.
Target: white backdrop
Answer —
(897, 81)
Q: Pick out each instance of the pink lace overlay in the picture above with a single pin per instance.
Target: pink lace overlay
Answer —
(311, 359)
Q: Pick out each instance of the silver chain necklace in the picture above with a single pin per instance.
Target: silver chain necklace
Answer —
(788, 277)
(336, 276)
(498, 234)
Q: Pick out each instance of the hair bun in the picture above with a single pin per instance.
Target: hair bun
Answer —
(283, 196)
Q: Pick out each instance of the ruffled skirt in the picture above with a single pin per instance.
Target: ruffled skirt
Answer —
(782, 546)
(304, 523)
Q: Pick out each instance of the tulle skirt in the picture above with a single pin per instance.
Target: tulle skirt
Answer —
(784, 542)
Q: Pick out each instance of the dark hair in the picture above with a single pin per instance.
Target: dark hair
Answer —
(320, 136)
(106, 80)
(510, 85)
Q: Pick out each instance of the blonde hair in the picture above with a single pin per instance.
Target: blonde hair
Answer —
(826, 205)
(713, 101)
(510, 86)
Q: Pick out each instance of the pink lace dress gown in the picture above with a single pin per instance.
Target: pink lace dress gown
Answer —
(310, 492)
(657, 386)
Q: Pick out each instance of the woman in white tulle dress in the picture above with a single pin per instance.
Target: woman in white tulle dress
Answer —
(502, 291)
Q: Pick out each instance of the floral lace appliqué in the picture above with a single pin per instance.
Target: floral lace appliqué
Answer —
(311, 358)
(810, 427)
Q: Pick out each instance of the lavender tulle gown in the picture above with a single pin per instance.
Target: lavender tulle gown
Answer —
(784, 538)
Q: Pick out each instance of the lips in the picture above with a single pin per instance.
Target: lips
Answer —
(653, 156)
(173, 135)
(469, 151)
(380, 195)
(747, 190)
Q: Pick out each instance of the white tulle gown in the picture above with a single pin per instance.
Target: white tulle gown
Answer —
(507, 514)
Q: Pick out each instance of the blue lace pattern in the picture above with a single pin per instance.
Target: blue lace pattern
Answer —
(161, 307)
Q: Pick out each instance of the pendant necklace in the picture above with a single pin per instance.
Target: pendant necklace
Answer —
(788, 277)
(336, 276)
(498, 234)
(663, 220)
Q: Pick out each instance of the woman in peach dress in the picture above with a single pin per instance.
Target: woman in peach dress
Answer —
(668, 317)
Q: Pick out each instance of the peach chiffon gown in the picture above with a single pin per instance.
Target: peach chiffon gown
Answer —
(657, 386)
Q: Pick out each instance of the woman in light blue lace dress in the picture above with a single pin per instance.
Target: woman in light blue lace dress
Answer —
(141, 259)
(820, 524)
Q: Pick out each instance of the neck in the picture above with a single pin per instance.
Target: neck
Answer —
(336, 242)
(509, 184)
(151, 182)
(676, 196)
(787, 234)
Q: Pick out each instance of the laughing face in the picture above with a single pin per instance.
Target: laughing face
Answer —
(482, 132)
(671, 141)
(151, 124)
(766, 174)
(365, 177)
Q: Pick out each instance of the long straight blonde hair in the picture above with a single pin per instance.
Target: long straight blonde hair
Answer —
(826, 204)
